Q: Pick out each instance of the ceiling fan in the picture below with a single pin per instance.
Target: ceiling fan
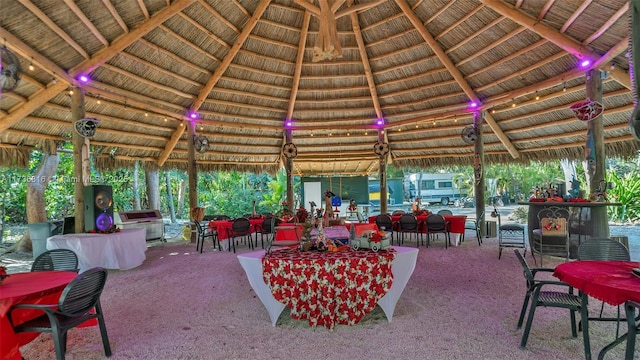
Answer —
(10, 66)
(469, 134)
(201, 143)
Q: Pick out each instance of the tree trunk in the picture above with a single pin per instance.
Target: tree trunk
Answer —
(136, 188)
(36, 206)
(182, 189)
(172, 210)
(153, 189)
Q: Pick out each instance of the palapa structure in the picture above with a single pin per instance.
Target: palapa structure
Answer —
(332, 67)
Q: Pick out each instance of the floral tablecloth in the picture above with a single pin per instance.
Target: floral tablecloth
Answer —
(329, 288)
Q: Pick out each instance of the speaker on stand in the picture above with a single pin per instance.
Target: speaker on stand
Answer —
(98, 208)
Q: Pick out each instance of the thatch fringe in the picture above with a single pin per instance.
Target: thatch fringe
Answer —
(106, 162)
(14, 158)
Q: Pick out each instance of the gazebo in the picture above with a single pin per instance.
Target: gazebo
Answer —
(321, 87)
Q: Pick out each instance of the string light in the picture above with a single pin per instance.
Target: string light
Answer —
(31, 67)
(564, 87)
(71, 92)
(513, 103)
(537, 96)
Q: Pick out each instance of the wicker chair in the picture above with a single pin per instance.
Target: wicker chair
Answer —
(539, 297)
(79, 302)
(56, 259)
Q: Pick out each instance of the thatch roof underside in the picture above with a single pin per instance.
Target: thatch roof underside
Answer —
(244, 66)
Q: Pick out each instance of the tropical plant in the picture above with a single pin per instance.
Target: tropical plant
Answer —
(626, 191)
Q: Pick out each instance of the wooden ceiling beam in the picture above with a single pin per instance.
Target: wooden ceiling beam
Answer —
(623, 11)
(308, 6)
(116, 16)
(575, 15)
(86, 22)
(457, 75)
(304, 29)
(38, 99)
(353, 9)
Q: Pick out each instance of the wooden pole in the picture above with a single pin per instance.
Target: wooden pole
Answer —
(77, 113)
(382, 174)
(595, 156)
(478, 173)
(288, 166)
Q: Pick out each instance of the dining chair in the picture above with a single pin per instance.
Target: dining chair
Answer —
(292, 239)
(408, 223)
(607, 250)
(79, 302)
(436, 224)
(538, 295)
(269, 224)
(474, 224)
(240, 227)
(56, 259)
(509, 235)
(384, 223)
(203, 234)
(552, 236)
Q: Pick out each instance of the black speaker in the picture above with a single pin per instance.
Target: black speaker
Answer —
(98, 208)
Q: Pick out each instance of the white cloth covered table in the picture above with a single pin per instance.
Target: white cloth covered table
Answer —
(122, 250)
(402, 268)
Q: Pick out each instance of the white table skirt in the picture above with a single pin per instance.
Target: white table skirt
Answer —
(402, 268)
(122, 250)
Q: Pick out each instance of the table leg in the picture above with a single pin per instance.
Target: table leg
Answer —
(633, 329)
(584, 319)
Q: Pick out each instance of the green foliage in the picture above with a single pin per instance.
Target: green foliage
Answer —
(626, 190)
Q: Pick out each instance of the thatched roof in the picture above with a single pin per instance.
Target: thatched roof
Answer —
(246, 65)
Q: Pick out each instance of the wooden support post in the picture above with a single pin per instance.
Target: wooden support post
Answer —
(382, 174)
(192, 172)
(478, 172)
(288, 166)
(595, 155)
(79, 147)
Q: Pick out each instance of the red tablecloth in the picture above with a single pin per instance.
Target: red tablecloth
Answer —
(456, 222)
(223, 226)
(609, 281)
(42, 287)
(361, 227)
(329, 288)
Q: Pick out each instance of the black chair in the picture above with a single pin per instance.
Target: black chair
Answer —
(56, 259)
(384, 222)
(268, 228)
(203, 234)
(444, 212)
(509, 235)
(408, 223)
(552, 236)
(436, 224)
(240, 227)
(398, 212)
(79, 302)
(547, 298)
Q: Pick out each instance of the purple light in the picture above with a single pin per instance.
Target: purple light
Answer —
(585, 63)
(193, 115)
(473, 104)
(288, 123)
(83, 78)
(380, 122)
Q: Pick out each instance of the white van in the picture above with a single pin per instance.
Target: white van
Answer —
(433, 187)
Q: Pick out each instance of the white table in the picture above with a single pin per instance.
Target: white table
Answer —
(122, 250)
(402, 268)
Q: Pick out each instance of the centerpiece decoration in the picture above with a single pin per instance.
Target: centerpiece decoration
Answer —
(372, 239)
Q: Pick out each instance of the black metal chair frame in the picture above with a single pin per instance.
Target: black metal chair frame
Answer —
(539, 297)
(203, 234)
(240, 227)
(408, 223)
(384, 222)
(474, 224)
(438, 226)
(76, 305)
(555, 214)
(268, 228)
(56, 259)
(510, 236)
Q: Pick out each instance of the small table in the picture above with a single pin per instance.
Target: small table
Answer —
(609, 281)
(223, 227)
(122, 250)
(402, 267)
(40, 287)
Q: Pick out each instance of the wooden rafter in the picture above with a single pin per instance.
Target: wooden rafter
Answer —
(86, 22)
(298, 69)
(453, 70)
(116, 16)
